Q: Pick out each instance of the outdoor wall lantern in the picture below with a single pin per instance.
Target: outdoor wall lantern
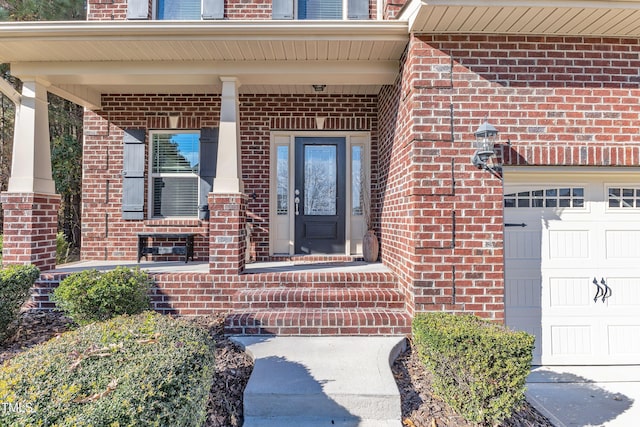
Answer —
(485, 140)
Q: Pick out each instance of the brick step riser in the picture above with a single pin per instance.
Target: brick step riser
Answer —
(324, 284)
(318, 322)
(317, 299)
(283, 305)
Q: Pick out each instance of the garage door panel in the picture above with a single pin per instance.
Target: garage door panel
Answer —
(624, 340)
(523, 293)
(571, 339)
(622, 244)
(570, 292)
(625, 292)
(569, 244)
(523, 244)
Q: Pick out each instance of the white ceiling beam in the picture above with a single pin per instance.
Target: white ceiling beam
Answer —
(9, 91)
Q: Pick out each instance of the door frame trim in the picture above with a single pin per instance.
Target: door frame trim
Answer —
(277, 227)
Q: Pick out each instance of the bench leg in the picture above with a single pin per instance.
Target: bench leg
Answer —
(189, 251)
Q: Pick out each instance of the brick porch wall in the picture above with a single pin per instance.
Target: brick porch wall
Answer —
(30, 227)
(107, 237)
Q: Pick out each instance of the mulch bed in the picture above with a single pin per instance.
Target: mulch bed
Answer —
(420, 407)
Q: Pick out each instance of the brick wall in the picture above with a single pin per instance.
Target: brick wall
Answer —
(30, 227)
(106, 10)
(107, 236)
(561, 101)
(110, 10)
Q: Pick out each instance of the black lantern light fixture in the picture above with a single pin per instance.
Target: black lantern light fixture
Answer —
(484, 144)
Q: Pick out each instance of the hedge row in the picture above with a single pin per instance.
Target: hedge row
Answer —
(479, 368)
(147, 370)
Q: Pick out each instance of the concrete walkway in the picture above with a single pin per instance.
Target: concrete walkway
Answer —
(587, 395)
(328, 381)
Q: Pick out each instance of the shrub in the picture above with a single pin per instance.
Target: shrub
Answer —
(62, 249)
(479, 368)
(147, 369)
(90, 295)
(15, 285)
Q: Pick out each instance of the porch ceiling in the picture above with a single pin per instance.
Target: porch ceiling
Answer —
(542, 17)
(82, 60)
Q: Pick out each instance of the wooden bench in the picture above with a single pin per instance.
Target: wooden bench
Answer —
(144, 249)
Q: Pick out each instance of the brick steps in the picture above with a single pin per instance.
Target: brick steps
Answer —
(378, 280)
(319, 302)
(305, 321)
(318, 298)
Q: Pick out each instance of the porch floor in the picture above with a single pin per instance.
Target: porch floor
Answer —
(203, 267)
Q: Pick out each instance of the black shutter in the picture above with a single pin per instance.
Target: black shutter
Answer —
(208, 161)
(358, 9)
(133, 174)
(212, 9)
(138, 9)
(282, 9)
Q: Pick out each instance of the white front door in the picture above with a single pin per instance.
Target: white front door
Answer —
(572, 274)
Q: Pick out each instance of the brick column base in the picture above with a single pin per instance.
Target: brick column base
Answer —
(227, 233)
(30, 227)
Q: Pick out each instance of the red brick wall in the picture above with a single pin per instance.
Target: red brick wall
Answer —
(561, 101)
(30, 227)
(106, 10)
(110, 10)
(107, 236)
(392, 8)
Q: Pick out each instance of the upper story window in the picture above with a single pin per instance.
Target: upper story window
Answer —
(178, 9)
(281, 9)
(321, 9)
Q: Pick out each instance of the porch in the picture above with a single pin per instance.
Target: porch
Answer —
(297, 296)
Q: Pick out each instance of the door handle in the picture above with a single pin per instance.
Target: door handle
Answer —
(296, 201)
(607, 290)
(600, 291)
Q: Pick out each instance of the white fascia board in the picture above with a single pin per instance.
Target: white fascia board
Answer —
(205, 30)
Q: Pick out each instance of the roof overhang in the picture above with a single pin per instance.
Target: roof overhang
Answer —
(602, 18)
(83, 60)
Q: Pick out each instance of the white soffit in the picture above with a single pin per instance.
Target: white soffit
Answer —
(561, 18)
(82, 60)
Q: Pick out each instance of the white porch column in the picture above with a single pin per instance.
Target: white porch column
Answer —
(228, 169)
(31, 163)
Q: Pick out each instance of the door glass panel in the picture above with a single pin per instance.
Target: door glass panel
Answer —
(320, 179)
(357, 181)
(282, 173)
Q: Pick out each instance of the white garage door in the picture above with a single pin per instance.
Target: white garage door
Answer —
(572, 265)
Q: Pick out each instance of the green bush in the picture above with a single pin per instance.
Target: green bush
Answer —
(143, 370)
(479, 368)
(90, 295)
(63, 249)
(15, 286)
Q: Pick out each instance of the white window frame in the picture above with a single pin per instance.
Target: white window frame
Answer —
(153, 175)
